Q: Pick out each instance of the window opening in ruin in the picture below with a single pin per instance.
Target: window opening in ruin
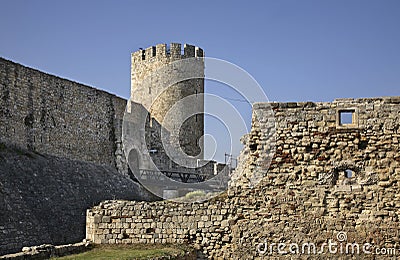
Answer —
(348, 173)
(346, 117)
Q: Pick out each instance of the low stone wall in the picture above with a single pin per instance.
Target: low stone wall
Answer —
(203, 224)
(48, 251)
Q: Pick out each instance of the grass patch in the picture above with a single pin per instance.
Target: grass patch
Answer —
(126, 252)
(195, 194)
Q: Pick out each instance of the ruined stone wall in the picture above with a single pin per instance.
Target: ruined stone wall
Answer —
(330, 179)
(160, 77)
(56, 116)
(310, 139)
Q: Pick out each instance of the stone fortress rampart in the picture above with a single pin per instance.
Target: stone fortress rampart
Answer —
(60, 153)
(51, 115)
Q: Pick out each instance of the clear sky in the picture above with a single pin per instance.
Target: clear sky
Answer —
(297, 50)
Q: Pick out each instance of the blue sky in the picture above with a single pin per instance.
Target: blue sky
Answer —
(297, 50)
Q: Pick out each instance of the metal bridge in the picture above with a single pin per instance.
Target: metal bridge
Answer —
(183, 176)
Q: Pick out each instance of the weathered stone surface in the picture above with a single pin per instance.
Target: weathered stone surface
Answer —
(304, 196)
(158, 85)
(51, 115)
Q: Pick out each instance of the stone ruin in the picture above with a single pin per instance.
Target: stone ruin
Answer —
(331, 169)
(329, 179)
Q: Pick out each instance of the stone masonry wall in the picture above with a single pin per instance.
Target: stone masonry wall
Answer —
(328, 177)
(115, 222)
(310, 140)
(56, 116)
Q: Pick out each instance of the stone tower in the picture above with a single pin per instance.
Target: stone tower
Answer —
(160, 77)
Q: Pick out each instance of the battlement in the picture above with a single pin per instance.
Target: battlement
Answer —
(163, 51)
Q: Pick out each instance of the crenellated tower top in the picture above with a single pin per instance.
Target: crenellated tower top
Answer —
(168, 53)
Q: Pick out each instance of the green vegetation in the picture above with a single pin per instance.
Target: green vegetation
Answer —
(125, 252)
(195, 194)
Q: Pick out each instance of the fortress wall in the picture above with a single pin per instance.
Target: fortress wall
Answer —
(56, 116)
(305, 196)
(60, 149)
